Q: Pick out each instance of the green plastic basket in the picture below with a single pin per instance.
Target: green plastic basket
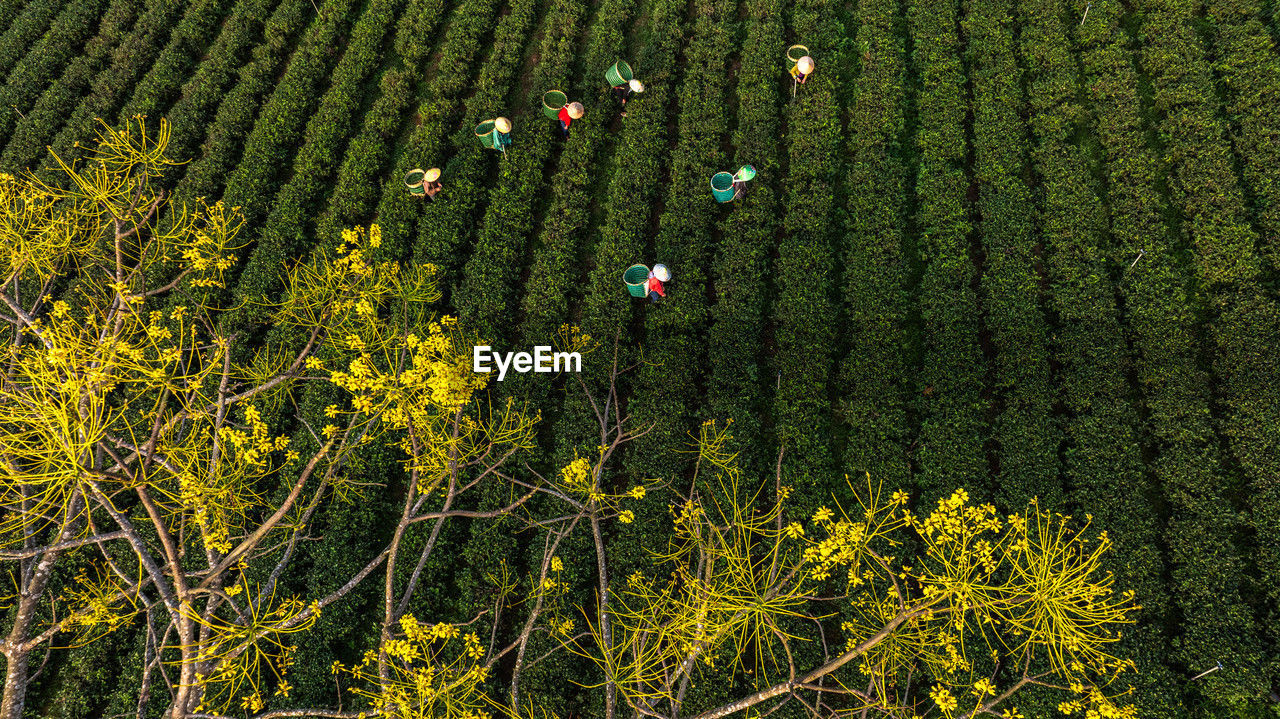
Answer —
(636, 277)
(484, 131)
(722, 186)
(619, 74)
(552, 101)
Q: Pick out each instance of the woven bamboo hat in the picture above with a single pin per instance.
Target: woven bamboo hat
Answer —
(805, 64)
(432, 175)
(636, 86)
(576, 110)
(503, 124)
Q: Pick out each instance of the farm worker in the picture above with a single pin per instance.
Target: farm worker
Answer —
(802, 69)
(623, 92)
(431, 183)
(740, 179)
(657, 276)
(569, 113)
(502, 133)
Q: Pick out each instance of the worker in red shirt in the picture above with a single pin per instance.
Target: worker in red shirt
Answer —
(569, 113)
(657, 276)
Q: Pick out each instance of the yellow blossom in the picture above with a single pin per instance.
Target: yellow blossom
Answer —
(943, 698)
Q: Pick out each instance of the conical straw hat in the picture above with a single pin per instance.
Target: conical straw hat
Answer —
(662, 273)
(503, 124)
(432, 175)
(576, 110)
(805, 64)
(636, 86)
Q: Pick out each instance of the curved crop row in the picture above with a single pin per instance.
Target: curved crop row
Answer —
(1103, 460)
(1026, 433)
(803, 311)
(69, 31)
(666, 394)
(34, 129)
(233, 121)
(872, 404)
(1214, 623)
(949, 444)
(437, 116)
(356, 186)
(190, 114)
(278, 132)
(736, 383)
(25, 32)
(633, 191)
(486, 291)
(1244, 323)
(555, 273)
(1248, 66)
(157, 90)
(286, 235)
(129, 62)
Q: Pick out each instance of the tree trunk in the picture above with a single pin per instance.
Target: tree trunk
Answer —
(606, 634)
(15, 683)
(32, 588)
(187, 695)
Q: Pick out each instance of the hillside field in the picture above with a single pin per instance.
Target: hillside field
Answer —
(1002, 245)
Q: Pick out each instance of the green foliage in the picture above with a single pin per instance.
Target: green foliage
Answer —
(873, 403)
(666, 393)
(35, 129)
(276, 134)
(438, 112)
(445, 224)
(129, 60)
(68, 32)
(156, 91)
(486, 290)
(738, 382)
(1243, 323)
(1025, 433)
(354, 190)
(932, 278)
(287, 230)
(1212, 622)
(950, 380)
(225, 131)
(1102, 452)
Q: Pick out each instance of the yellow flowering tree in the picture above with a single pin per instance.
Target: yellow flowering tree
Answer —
(1022, 593)
(139, 442)
(143, 446)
